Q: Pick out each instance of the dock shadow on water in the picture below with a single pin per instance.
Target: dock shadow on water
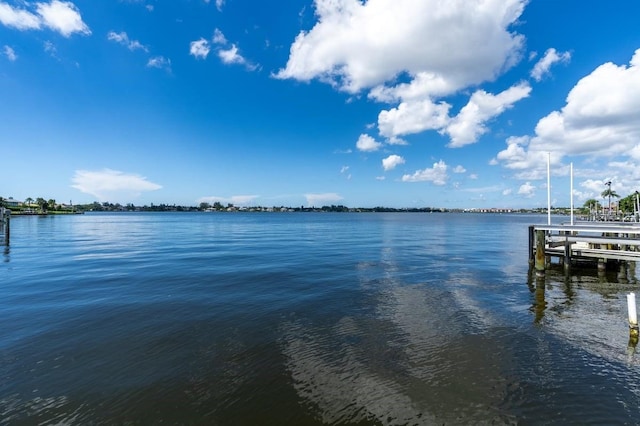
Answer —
(305, 319)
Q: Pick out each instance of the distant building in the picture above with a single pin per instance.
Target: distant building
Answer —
(10, 202)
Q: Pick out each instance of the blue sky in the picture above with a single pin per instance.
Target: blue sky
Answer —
(398, 103)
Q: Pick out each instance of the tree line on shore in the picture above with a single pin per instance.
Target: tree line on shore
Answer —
(626, 205)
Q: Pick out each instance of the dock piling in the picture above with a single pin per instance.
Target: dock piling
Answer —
(5, 224)
(540, 261)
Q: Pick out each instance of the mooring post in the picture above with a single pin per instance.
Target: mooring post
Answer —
(633, 318)
(6, 224)
(540, 263)
(532, 237)
(567, 254)
(602, 265)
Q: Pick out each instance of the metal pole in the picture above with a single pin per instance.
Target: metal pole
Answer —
(548, 188)
(572, 194)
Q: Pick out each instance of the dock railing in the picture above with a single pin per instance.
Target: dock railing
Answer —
(598, 242)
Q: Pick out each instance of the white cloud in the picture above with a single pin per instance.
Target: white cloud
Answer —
(551, 56)
(507, 192)
(459, 169)
(18, 18)
(62, 16)
(51, 49)
(112, 185)
(319, 200)
(218, 37)
(437, 174)
(160, 62)
(219, 4)
(10, 53)
(367, 143)
(231, 55)
(468, 125)
(413, 117)
(199, 48)
(358, 45)
(527, 190)
(599, 119)
(391, 162)
(123, 39)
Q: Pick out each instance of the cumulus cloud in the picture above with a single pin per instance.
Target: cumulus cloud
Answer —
(18, 18)
(459, 169)
(229, 53)
(232, 56)
(199, 48)
(322, 199)
(412, 54)
(9, 53)
(468, 125)
(123, 39)
(413, 117)
(112, 185)
(367, 143)
(61, 16)
(358, 45)
(437, 174)
(391, 162)
(599, 119)
(527, 190)
(551, 57)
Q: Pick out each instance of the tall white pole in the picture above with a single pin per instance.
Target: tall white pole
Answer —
(548, 188)
(571, 193)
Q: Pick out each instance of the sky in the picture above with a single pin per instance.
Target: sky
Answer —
(397, 103)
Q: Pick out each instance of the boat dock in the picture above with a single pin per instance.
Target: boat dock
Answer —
(584, 242)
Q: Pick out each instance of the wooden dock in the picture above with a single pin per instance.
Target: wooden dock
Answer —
(584, 242)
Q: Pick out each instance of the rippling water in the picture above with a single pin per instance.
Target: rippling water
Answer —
(300, 318)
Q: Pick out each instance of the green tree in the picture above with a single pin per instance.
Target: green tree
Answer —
(608, 193)
(204, 206)
(52, 204)
(28, 201)
(42, 203)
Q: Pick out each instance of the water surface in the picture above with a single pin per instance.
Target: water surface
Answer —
(305, 318)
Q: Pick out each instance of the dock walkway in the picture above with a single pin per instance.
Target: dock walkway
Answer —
(596, 242)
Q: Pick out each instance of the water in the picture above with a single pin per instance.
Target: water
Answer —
(301, 318)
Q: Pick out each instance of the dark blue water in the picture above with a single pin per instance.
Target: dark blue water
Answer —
(301, 318)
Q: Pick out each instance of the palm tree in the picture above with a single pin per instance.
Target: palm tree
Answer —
(609, 193)
(28, 201)
(593, 205)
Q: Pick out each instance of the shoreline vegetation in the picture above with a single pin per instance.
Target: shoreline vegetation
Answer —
(51, 208)
(40, 206)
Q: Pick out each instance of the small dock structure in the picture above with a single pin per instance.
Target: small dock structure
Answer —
(584, 242)
(5, 225)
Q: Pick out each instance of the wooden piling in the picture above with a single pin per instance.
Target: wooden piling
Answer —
(567, 255)
(5, 221)
(540, 261)
(532, 237)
